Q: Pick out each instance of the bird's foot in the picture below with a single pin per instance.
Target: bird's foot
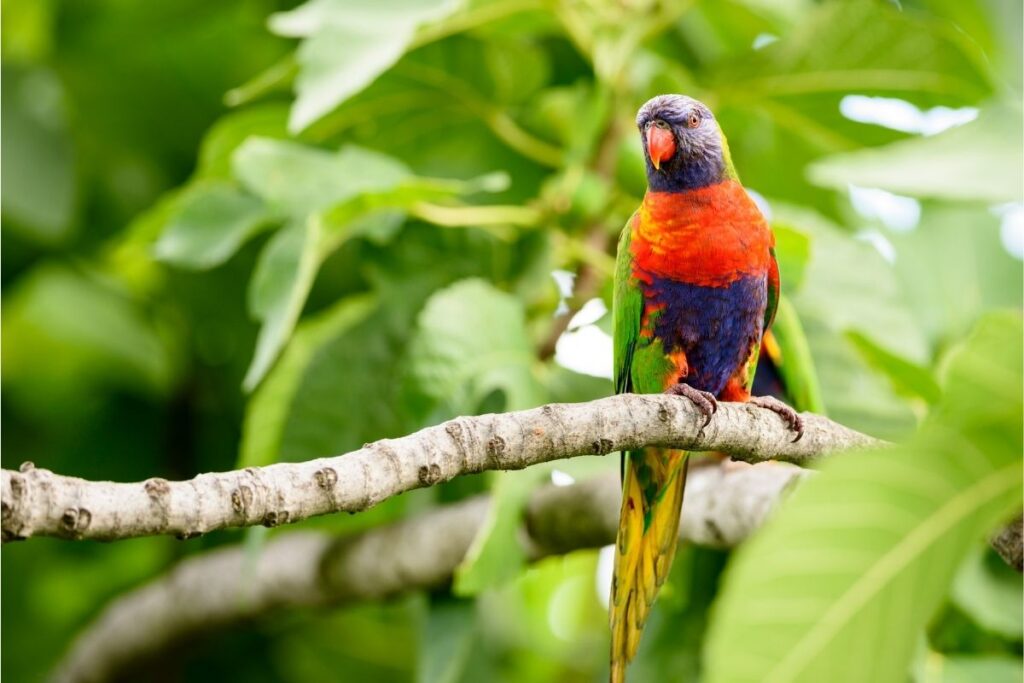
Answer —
(704, 400)
(789, 416)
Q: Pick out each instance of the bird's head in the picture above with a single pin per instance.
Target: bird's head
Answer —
(683, 145)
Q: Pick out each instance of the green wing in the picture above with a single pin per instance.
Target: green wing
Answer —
(627, 307)
(773, 291)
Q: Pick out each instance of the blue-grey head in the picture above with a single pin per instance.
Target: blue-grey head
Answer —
(683, 146)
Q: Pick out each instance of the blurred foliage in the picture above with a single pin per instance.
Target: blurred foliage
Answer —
(254, 230)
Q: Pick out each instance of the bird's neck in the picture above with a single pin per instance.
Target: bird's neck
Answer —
(708, 235)
(693, 211)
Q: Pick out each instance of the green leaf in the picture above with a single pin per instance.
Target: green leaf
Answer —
(954, 266)
(992, 596)
(210, 223)
(796, 365)
(848, 285)
(298, 179)
(38, 192)
(471, 340)
(495, 555)
(853, 394)
(331, 197)
(908, 379)
(446, 640)
(975, 161)
(347, 46)
(66, 333)
(793, 251)
(344, 385)
(270, 408)
(277, 292)
(782, 102)
(870, 545)
(940, 668)
(231, 131)
(866, 47)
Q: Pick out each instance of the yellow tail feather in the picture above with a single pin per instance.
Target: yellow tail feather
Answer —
(643, 555)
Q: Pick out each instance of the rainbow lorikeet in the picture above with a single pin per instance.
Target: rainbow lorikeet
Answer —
(696, 287)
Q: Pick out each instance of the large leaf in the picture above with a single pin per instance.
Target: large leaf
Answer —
(977, 161)
(780, 104)
(298, 179)
(954, 266)
(471, 341)
(844, 47)
(346, 46)
(852, 392)
(908, 379)
(330, 197)
(840, 583)
(278, 290)
(849, 285)
(208, 226)
(271, 406)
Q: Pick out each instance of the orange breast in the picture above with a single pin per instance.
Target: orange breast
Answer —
(711, 236)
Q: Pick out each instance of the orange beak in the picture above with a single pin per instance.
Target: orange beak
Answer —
(661, 145)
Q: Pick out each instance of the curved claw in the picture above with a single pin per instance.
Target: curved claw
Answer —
(790, 416)
(705, 401)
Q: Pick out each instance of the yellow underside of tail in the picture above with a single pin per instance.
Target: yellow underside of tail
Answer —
(652, 497)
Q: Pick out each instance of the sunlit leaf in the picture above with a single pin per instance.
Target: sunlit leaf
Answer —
(867, 47)
(346, 46)
(941, 668)
(871, 544)
(954, 266)
(849, 285)
(278, 290)
(470, 341)
(969, 162)
(271, 406)
(210, 223)
(299, 179)
(907, 378)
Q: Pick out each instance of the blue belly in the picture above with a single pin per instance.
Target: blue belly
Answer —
(717, 327)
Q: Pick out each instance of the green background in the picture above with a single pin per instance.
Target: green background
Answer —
(249, 231)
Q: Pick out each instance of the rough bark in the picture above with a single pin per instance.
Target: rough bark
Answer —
(724, 503)
(37, 502)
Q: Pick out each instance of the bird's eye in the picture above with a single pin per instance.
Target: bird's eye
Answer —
(694, 120)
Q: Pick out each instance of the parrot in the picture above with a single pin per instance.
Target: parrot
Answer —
(696, 285)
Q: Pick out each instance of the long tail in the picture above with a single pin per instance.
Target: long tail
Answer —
(652, 495)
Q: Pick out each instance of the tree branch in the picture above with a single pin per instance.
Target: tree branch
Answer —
(724, 503)
(37, 502)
